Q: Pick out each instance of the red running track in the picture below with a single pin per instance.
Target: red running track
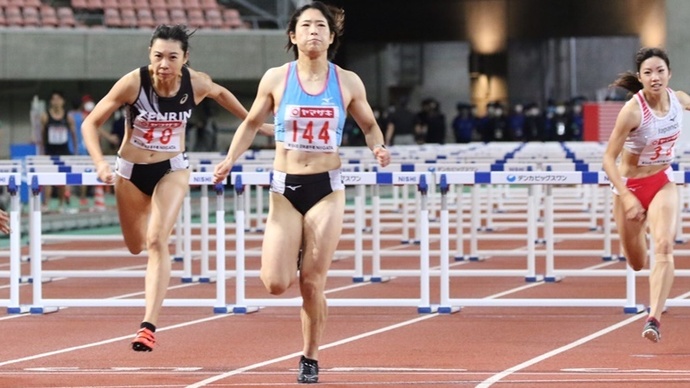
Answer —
(362, 347)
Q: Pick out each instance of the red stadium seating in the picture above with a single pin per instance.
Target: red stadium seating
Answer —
(31, 18)
(145, 18)
(93, 5)
(232, 19)
(209, 4)
(214, 19)
(66, 17)
(129, 18)
(13, 15)
(48, 16)
(175, 4)
(178, 16)
(161, 16)
(111, 18)
(78, 4)
(196, 18)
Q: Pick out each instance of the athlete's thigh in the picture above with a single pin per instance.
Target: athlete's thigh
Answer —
(166, 201)
(323, 225)
(282, 237)
(133, 208)
(663, 212)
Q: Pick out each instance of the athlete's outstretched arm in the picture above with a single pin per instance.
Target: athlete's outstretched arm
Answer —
(246, 132)
(124, 91)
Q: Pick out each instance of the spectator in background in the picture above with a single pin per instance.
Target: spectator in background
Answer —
(57, 130)
(463, 123)
(117, 130)
(516, 123)
(434, 123)
(400, 129)
(82, 108)
(534, 123)
(576, 121)
(560, 131)
(498, 123)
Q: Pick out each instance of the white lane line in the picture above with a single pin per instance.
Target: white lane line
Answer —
(497, 377)
(296, 354)
(110, 340)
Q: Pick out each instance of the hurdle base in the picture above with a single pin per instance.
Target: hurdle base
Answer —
(18, 310)
(24, 279)
(534, 279)
(463, 258)
(636, 309)
(427, 309)
(360, 279)
(681, 241)
(207, 279)
(178, 259)
(244, 310)
(448, 309)
(477, 258)
(43, 310)
(405, 241)
(189, 280)
(379, 279)
(43, 280)
(608, 258)
(594, 228)
(553, 279)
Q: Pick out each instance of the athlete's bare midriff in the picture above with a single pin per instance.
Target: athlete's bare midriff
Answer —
(140, 156)
(300, 162)
(628, 166)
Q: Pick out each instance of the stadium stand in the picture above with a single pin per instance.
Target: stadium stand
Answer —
(118, 14)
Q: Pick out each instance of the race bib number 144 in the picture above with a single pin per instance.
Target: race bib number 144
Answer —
(311, 128)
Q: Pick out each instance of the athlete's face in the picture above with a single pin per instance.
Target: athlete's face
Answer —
(312, 32)
(654, 74)
(167, 58)
(57, 101)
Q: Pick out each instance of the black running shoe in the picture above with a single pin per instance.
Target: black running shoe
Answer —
(308, 371)
(651, 330)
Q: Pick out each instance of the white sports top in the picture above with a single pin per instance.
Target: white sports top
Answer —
(654, 139)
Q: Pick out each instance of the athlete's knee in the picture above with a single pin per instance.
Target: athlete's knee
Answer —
(663, 245)
(275, 285)
(311, 287)
(637, 264)
(156, 242)
(663, 258)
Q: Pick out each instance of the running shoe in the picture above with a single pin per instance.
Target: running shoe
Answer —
(651, 330)
(308, 371)
(144, 341)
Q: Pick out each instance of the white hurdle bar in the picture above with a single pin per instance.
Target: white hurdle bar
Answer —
(42, 305)
(359, 179)
(11, 181)
(448, 304)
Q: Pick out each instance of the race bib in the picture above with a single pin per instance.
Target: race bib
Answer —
(163, 136)
(662, 150)
(57, 135)
(311, 128)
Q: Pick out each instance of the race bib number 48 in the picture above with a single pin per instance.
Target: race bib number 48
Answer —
(159, 136)
(311, 128)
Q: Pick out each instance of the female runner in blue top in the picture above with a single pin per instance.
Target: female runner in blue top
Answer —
(310, 99)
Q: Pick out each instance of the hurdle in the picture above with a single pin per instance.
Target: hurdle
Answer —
(41, 305)
(360, 179)
(449, 305)
(10, 181)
